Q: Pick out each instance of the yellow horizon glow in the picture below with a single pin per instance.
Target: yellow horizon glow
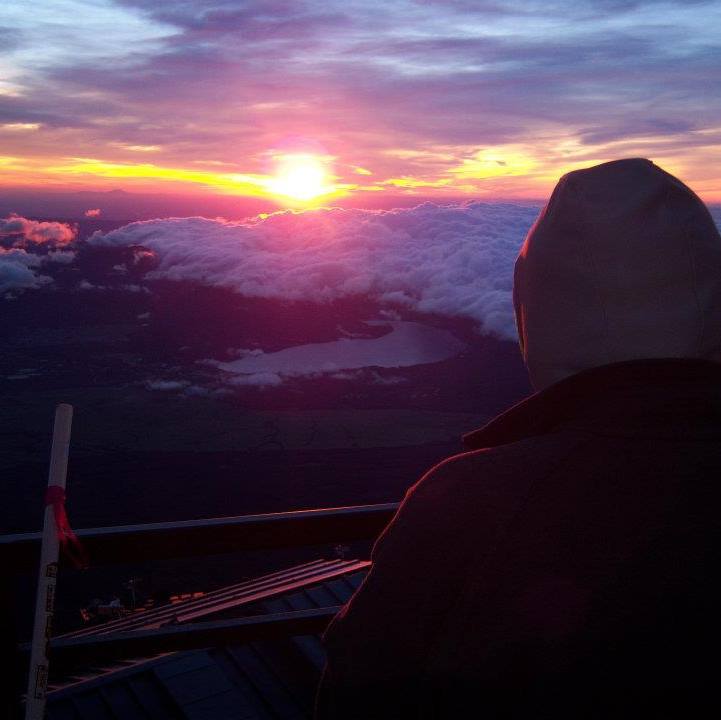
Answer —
(525, 171)
(300, 179)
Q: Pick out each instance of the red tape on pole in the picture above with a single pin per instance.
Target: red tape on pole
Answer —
(72, 547)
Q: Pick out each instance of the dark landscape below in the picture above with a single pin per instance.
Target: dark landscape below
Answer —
(161, 434)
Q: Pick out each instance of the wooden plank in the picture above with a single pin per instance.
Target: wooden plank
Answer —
(162, 614)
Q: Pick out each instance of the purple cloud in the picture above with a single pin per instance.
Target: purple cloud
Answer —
(224, 82)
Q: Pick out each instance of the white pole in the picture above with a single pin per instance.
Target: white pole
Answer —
(47, 576)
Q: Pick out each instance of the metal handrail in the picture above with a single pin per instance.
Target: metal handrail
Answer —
(192, 538)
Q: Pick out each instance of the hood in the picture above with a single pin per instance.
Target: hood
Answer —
(623, 263)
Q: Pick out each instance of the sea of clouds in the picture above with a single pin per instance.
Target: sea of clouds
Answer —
(455, 260)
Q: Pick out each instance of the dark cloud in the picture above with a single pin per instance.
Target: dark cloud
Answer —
(9, 38)
(641, 127)
(18, 271)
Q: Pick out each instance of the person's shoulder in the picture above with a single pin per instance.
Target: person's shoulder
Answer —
(465, 495)
(488, 471)
(474, 489)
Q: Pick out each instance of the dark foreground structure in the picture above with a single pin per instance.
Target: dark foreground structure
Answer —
(272, 677)
(565, 566)
(248, 650)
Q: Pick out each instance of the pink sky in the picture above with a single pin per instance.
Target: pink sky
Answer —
(402, 98)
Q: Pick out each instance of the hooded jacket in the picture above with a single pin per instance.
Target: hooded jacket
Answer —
(565, 565)
(623, 263)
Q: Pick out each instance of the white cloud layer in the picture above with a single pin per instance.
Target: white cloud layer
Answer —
(453, 260)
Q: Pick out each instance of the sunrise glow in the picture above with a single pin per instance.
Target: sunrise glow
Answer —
(301, 177)
(439, 101)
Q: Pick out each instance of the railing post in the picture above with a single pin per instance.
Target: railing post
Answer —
(47, 575)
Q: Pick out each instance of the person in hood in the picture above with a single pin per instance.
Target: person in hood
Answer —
(565, 565)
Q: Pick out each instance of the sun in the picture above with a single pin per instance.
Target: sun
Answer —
(301, 177)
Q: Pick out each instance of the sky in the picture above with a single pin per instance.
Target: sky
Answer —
(313, 101)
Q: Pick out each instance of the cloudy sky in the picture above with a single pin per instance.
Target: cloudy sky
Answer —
(361, 98)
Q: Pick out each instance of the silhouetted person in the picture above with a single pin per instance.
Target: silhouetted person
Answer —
(565, 566)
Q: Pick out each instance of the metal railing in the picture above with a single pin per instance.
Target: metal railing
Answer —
(24, 553)
(19, 553)
(157, 541)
